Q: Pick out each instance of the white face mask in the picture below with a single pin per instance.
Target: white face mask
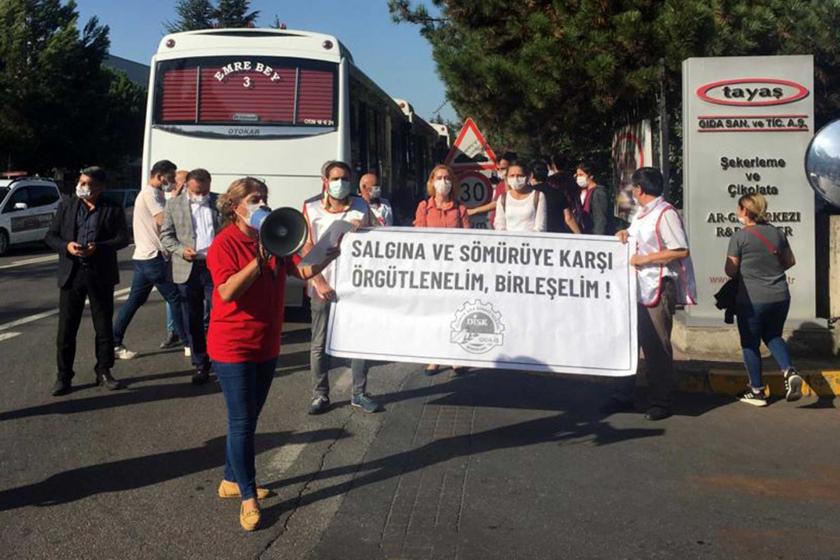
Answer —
(742, 220)
(375, 191)
(168, 195)
(252, 209)
(517, 183)
(339, 188)
(167, 187)
(83, 191)
(443, 186)
(582, 181)
(198, 198)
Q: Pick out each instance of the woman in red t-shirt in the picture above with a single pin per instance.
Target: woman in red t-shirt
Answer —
(244, 336)
(441, 210)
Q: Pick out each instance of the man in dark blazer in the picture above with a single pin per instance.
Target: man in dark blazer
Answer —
(190, 223)
(86, 232)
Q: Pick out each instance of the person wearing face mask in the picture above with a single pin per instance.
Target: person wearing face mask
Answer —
(559, 218)
(150, 259)
(245, 326)
(190, 224)
(665, 278)
(334, 205)
(442, 209)
(372, 193)
(595, 208)
(758, 256)
(172, 340)
(521, 208)
(86, 232)
(500, 188)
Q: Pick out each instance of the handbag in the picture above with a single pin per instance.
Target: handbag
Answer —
(727, 296)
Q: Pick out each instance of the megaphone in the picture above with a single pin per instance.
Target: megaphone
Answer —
(282, 231)
(822, 163)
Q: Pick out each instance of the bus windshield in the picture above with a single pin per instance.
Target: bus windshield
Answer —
(246, 95)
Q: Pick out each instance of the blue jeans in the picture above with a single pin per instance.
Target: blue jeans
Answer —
(148, 274)
(194, 293)
(763, 321)
(245, 387)
(170, 318)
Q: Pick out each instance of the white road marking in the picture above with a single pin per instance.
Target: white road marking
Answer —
(45, 314)
(8, 335)
(34, 260)
(284, 459)
(281, 461)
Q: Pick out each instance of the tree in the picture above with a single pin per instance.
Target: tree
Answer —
(60, 107)
(234, 13)
(546, 76)
(192, 15)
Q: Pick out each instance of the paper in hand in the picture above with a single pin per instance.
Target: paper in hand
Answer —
(329, 239)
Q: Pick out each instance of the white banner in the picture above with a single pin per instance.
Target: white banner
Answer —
(479, 298)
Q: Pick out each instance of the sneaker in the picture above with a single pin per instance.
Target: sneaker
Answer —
(123, 353)
(172, 340)
(187, 352)
(319, 405)
(365, 403)
(751, 397)
(793, 385)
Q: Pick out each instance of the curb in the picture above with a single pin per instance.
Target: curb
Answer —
(819, 383)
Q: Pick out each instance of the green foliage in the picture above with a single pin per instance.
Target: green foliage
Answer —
(234, 13)
(61, 108)
(202, 14)
(554, 76)
(192, 15)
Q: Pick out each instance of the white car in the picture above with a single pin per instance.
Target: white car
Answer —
(27, 206)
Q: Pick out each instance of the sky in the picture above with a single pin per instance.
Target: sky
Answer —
(394, 55)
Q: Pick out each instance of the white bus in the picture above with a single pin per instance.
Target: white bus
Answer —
(276, 104)
(273, 104)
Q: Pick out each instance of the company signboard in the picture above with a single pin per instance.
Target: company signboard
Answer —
(747, 122)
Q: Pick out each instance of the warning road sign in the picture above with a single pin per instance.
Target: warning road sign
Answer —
(470, 150)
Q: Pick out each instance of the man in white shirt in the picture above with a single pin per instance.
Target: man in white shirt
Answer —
(665, 278)
(333, 205)
(151, 266)
(190, 224)
(371, 191)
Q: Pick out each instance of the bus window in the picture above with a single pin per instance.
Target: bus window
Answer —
(246, 95)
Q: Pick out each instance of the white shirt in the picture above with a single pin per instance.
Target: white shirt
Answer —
(383, 212)
(202, 220)
(319, 220)
(520, 215)
(150, 202)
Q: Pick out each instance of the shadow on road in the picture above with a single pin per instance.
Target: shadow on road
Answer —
(128, 474)
(575, 419)
(125, 397)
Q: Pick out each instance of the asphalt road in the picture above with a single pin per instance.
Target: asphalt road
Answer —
(492, 464)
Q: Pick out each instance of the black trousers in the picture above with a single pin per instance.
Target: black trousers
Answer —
(194, 293)
(82, 285)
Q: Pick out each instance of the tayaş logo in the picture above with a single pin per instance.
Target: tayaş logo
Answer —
(752, 92)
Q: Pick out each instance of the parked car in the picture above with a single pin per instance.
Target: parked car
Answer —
(27, 206)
